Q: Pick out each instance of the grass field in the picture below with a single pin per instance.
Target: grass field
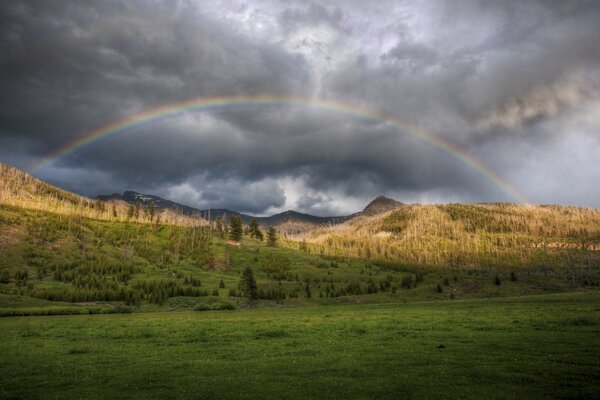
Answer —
(544, 346)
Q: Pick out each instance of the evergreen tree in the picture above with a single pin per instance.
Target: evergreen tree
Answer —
(255, 230)
(497, 280)
(271, 237)
(248, 285)
(235, 228)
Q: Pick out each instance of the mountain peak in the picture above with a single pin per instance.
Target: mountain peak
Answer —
(381, 204)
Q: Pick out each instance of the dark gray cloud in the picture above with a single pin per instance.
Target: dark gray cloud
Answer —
(515, 84)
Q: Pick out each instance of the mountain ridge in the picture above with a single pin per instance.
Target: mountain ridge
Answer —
(292, 221)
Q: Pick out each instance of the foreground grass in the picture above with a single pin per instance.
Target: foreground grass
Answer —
(530, 347)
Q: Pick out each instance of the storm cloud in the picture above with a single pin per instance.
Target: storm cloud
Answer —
(514, 84)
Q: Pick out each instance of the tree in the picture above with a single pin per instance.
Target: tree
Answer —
(255, 230)
(219, 226)
(130, 211)
(136, 209)
(497, 280)
(235, 228)
(151, 211)
(271, 237)
(248, 285)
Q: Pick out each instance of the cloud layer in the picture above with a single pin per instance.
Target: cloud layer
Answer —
(515, 84)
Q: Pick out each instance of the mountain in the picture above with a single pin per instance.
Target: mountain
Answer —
(381, 204)
(145, 200)
(290, 222)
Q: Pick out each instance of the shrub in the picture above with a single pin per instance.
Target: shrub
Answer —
(513, 276)
(223, 306)
(497, 280)
(439, 288)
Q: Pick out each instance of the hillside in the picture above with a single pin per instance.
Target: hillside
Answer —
(488, 236)
(57, 248)
(18, 188)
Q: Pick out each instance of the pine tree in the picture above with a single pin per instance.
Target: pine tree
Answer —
(255, 230)
(271, 237)
(235, 228)
(248, 285)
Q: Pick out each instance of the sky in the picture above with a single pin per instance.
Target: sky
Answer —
(514, 84)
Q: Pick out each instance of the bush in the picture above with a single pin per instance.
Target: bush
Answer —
(439, 288)
(497, 280)
(513, 276)
(407, 281)
(223, 306)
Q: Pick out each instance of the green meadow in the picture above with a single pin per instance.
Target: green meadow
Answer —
(541, 346)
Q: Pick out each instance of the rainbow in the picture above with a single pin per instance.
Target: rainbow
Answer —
(128, 123)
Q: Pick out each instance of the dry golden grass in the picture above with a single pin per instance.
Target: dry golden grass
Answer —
(20, 189)
(472, 235)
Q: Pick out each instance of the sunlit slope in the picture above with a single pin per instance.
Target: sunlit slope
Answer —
(469, 236)
(17, 188)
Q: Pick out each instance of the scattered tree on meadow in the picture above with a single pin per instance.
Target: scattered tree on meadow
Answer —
(497, 280)
(271, 237)
(255, 231)
(235, 228)
(248, 286)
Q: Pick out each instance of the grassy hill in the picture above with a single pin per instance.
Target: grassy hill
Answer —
(20, 189)
(550, 239)
(60, 249)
